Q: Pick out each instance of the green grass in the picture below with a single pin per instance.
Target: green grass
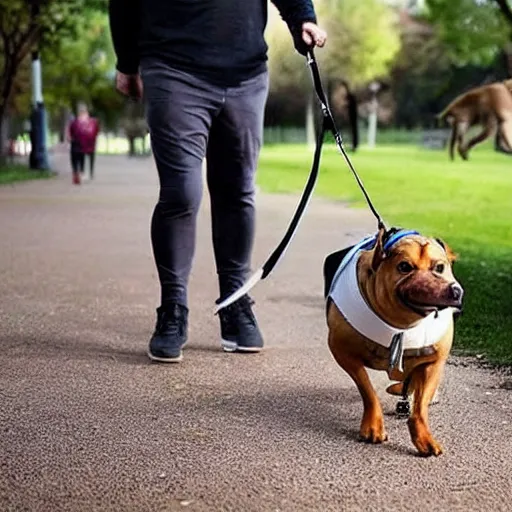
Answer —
(468, 204)
(13, 173)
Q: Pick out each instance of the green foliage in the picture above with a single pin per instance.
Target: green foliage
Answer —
(465, 203)
(420, 75)
(14, 173)
(363, 39)
(473, 31)
(357, 49)
(80, 68)
(28, 25)
(73, 37)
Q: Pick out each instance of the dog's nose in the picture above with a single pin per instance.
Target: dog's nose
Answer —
(456, 291)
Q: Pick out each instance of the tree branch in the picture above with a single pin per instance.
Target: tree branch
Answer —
(505, 10)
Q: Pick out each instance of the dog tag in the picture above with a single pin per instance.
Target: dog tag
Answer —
(403, 408)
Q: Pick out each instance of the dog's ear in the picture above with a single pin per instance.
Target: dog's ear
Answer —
(378, 251)
(451, 255)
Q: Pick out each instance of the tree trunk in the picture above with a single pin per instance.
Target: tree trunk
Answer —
(507, 51)
(4, 138)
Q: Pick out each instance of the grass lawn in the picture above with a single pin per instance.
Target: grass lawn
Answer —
(468, 204)
(12, 173)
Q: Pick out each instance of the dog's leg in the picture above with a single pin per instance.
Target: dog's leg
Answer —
(505, 130)
(453, 140)
(372, 425)
(424, 383)
(462, 128)
(487, 131)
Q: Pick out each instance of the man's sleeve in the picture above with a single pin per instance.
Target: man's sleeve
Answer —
(125, 27)
(295, 13)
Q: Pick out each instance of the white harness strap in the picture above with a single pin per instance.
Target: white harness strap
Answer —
(345, 293)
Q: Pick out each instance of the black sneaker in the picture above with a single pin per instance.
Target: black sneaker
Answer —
(238, 327)
(170, 334)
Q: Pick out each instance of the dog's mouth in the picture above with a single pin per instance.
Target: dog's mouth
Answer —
(424, 309)
(420, 309)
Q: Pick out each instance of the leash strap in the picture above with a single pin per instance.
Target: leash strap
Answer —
(328, 124)
(336, 134)
(279, 251)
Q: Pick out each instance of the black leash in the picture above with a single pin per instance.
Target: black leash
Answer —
(328, 124)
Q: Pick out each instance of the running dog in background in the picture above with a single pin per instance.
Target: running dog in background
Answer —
(489, 106)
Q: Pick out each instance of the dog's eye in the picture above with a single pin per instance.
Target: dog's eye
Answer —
(439, 268)
(404, 267)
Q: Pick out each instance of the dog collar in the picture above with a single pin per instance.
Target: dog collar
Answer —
(394, 238)
(346, 294)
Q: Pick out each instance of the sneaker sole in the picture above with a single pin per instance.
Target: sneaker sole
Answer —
(232, 346)
(164, 359)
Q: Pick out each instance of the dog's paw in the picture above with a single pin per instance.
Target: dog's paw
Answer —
(427, 447)
(373, 431)
(423, 440)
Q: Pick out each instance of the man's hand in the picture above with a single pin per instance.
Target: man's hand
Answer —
(129, 85)
(313, 35)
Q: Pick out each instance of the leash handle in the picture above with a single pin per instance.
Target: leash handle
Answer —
(331, 125)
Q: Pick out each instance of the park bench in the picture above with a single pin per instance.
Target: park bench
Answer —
(435, 139)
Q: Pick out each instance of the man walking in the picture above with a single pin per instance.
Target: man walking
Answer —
(202, 67)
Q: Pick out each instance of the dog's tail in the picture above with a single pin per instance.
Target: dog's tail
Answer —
(445, 116)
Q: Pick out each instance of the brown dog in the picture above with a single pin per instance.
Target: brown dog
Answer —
(391, 308)
(490, 106)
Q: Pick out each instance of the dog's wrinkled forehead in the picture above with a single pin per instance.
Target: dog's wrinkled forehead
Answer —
(402, 237)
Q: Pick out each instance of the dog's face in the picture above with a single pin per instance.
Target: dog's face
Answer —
(411, 280)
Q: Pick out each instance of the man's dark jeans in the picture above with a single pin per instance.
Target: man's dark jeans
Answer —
(190, 119)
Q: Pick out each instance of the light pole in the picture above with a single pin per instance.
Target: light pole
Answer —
(372, 118)
(38, 155)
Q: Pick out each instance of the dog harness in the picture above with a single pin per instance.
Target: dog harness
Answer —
(346, 294)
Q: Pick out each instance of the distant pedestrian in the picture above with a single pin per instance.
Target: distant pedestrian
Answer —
(82, 134)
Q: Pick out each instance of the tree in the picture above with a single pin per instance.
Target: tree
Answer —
(28, 24)
(473, 31)
(363, 40)
(81, 69)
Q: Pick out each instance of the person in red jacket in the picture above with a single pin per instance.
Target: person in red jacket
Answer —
(82, 134)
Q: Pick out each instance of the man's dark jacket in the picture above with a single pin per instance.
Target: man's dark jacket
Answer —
(219, 40)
